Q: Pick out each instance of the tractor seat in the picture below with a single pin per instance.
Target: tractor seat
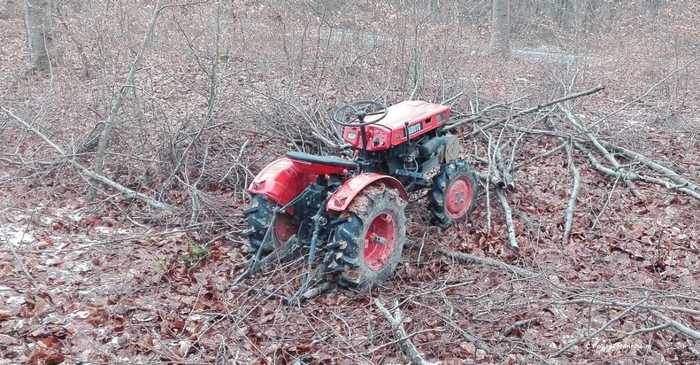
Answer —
(322, 160)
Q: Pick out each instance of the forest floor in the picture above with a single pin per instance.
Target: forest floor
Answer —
(104, 282)
(92, 285)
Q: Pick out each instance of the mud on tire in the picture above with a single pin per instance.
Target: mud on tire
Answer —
(367, 247)
(259, 217)
(448, 206)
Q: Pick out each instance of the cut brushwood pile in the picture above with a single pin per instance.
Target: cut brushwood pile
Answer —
(500, 132)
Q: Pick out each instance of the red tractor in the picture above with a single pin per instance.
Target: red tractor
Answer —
(350, 213)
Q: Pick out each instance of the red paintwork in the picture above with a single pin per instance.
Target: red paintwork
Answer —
(285, 227)
(281, 181)
(390, 131)
(380, 241)
(342, 197)
(458, 198)
(378, 137)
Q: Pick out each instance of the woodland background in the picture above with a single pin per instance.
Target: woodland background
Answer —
(184, 102)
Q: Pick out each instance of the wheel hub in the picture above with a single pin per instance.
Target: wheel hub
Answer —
(380, 241)
(285, 227)
(458, 198)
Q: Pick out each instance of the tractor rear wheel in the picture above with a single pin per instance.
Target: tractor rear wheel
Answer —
(259, 217)
(368, 245)
(453, 195)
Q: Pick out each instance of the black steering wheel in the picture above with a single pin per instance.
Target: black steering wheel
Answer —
(353, 115)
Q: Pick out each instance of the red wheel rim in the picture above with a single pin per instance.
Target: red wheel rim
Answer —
(380, 241)
(458, 198)
(285, 228)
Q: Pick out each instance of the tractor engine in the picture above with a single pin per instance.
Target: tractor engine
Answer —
(415, 162)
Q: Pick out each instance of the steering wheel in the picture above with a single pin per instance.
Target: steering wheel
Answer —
(353, 115)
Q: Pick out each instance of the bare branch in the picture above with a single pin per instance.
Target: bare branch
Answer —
(131, 194)
(408, 349)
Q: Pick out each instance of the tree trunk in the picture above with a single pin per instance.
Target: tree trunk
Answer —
(106, 134)
(581, 20)
(500, 28)
(37, 15)
(7, 9)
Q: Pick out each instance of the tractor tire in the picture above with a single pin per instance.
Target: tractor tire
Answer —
(453, 195)
(367, 247)
(259, 216)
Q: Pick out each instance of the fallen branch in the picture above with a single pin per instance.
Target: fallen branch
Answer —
(408, 349)
(642, 330)
(510, 226)
(540, 156)
(611, 303)
(523, 112)
(131, 194)
(522, 324)
(608, 156)
(484, 261)
(679, 327)
(634, 176)
(632, 155)
(575, 188)
(599, 330)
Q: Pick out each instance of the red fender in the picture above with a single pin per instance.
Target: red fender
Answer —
(341, 198)
(281, 181)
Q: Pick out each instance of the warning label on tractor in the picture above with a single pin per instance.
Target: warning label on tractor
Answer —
(412, 129)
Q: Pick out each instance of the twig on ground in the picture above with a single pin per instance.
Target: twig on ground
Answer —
(680, 327)
(642, 330)
(510, 226)
(608, 156)
(131, 194)
(614, 303)
(485, 261)
(540, 156)
(634, 176)
(575, 188)
(525, 323)
(408, 349)
(523, 112)
(599, 330)
(18, 260)
(607, 202)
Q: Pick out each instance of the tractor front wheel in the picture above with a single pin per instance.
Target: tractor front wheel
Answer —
(369, 243)
(454, 192)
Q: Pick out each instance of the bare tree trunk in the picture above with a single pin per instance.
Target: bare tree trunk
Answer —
(37, 15)
(500, 28)
(106, 134)
(580, 13)
(7, 9)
